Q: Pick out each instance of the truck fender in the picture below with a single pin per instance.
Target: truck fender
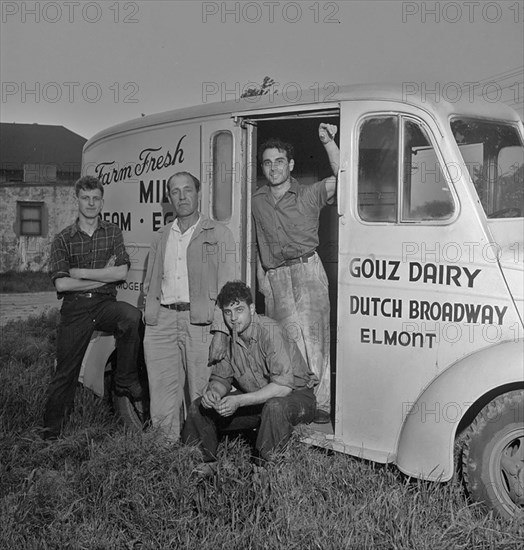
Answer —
(427, 436)
(100, 348)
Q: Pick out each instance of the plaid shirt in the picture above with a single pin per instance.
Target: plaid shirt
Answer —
(72, 248)
(262, 355)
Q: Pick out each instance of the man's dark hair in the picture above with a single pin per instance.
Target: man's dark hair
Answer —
(194, 179)
(88, 183)
(234, 292)
(275, 143)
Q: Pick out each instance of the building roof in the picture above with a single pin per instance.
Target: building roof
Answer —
(40, 144)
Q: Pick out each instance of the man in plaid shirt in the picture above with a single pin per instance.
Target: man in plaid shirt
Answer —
(88, 260)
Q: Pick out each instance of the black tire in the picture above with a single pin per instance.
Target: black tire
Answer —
(493, 456)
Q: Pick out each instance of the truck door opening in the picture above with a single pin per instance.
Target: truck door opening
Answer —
(311, 165)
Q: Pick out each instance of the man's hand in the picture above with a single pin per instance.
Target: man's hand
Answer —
(228, 405)
(218, 348)
(327, 132)
(210, 399)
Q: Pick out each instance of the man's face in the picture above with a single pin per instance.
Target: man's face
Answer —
(277, 168)
(238, 315)
(90, 203)
(183, 196)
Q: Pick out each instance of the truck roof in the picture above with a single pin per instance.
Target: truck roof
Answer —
(409, 93)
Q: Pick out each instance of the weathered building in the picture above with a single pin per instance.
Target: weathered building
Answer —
(38, 167)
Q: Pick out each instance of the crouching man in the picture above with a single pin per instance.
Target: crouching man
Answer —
(275, 387)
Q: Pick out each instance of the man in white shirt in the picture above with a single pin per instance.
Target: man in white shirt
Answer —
(189, 261)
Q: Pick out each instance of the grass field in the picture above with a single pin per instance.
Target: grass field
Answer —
(102, 487)
(25, 281)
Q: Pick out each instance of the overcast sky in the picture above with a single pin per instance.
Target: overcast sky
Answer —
(88, 65)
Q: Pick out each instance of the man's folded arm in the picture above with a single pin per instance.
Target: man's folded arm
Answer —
(68, 284)
(80, 279)
(103, 275)
(264, 394)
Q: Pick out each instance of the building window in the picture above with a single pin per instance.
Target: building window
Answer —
(31, 218)
(222, 182)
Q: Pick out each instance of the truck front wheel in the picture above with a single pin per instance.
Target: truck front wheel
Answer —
(493, 455)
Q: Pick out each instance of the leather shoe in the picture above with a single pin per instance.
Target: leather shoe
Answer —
(47, 434)
(133, 392)
(205, 470)
(321, 417)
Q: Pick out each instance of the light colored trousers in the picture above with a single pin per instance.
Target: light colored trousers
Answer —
(297, 297)
(176, 354)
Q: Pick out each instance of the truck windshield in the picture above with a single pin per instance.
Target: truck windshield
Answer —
(494, 155)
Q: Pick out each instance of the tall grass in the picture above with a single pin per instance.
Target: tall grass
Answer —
(100, 486)
(25, 281)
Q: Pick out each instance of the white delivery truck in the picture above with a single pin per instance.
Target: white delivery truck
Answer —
(423, 251)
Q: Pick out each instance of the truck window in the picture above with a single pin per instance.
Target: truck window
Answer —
(420, 184)
(222, 177)
(494, 156)
(378, 169)
(425, 191)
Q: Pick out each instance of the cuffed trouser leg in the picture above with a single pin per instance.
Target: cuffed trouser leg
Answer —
(74, 332)
(175, 351)
(79, 317)
(279, 415)
(203, 426)
(275, 420)
(297, 297)
(196, 353)
(123, 320)
(165, 373)
(200, 429)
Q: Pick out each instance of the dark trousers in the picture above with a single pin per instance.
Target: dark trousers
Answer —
(79, 317)
(274, 419)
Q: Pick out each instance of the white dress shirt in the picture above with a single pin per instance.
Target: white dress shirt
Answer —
(175, 282)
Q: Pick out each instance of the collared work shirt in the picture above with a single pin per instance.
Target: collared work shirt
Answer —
(288, 228)
(73, 248)
(262, 355)
(175, 281)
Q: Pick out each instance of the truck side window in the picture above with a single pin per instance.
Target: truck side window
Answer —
(425, 191)
(378, 155)
(222, 178)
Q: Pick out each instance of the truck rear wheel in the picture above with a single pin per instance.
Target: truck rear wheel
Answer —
(493, 455)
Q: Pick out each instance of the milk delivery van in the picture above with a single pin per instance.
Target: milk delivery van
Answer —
(423, 251)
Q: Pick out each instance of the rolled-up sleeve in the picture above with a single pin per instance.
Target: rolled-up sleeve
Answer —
(122, 257)
(58, 259)
(316, 194)
(279, 360)
(223, 372)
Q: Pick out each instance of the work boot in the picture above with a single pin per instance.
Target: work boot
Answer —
(322, 417)
(134, 392)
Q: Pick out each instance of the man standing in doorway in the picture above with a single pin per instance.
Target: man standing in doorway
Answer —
(290, 273)
(189, 261)
(87, 261)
